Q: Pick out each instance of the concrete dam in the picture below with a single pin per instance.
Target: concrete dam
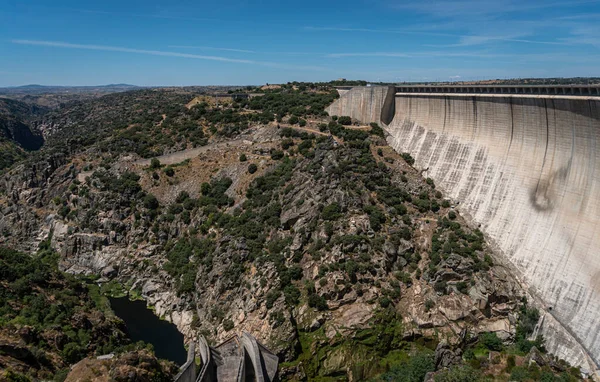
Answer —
(523, 162)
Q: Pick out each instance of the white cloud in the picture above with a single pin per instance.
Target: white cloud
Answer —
(211, 48)
(106, 48)
(464, 40)
(60, 44)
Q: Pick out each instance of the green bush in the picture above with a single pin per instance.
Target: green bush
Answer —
(252, 168)
(458, 374)
(243, 157)
(150, 202)
(412, 370)
(408, 158)
(491, 341)
(317, 302)
(227, 324)
(277, 154)
(292, 295)
(169, 171)
(345, 120)
(377, 130)
(154, 163)
(182, 197)
(271, 297)
(331, 212)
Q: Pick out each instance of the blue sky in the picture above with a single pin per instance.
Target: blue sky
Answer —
(150, 42)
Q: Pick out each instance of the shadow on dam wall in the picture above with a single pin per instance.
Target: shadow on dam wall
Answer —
(528, 170)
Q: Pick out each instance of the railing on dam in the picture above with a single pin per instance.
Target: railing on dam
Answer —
(542, 90)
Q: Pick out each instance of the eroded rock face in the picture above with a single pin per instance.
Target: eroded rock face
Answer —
(140, 366)
(287, 269)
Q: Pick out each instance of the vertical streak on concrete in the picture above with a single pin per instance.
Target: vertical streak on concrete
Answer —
(528, 171)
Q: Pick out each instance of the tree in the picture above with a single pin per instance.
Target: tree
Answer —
(154, 163)
(252, 168)
(150, 202)
(169, 171)
(227, 324)
(243, 157)
(345, 120)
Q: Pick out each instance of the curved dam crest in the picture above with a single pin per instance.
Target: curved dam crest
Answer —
(527, 169)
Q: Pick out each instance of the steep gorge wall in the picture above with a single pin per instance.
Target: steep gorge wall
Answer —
(528, 171)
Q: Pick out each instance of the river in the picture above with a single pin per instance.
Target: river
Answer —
(143, 325)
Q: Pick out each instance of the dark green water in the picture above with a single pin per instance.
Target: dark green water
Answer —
(144, 325)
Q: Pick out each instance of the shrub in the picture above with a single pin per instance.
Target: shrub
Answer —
(293, 120)
(277, 154)
(302, 122)
(377, 130)
(412, 370)
(345, 120)
(317, 302)
(169, 171)
(154, 163)
(227, 324)
(182, 196)
(458, 374)
(385, 302)
(72, 352)
(440, 286)
(408, 158)
(429, 304)
(491, 341)
(380, 152)
(331, 212)
(243, 157)
(272, 296)
(292, 295)
(150, 202)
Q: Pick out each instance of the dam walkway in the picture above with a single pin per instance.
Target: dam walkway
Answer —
(539, 90)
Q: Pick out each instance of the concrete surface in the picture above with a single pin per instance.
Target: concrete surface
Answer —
(187, 372)
(527, 169)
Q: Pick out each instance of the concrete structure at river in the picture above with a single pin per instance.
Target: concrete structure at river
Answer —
(238, 359)
(524, 164)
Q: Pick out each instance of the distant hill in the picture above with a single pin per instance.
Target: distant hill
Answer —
(55, 96)
(37, 89)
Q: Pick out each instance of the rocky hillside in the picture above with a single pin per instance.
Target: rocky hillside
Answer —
(49, 320)
(265, 215)
(16, 132)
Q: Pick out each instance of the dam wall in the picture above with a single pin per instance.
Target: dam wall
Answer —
(527, 170)
(364, 103)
